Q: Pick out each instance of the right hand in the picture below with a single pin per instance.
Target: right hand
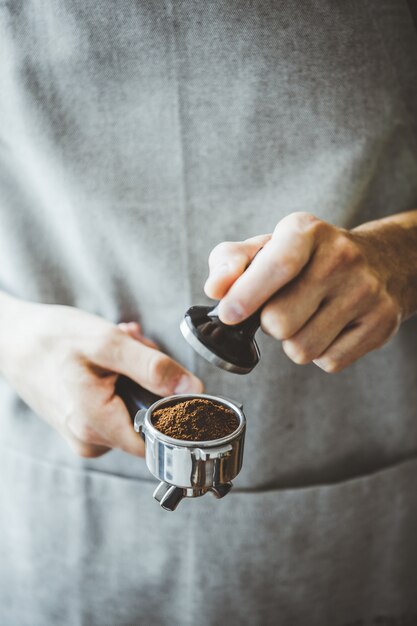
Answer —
(64, 363)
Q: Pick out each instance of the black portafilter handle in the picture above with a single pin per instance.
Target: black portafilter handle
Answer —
(134, 396)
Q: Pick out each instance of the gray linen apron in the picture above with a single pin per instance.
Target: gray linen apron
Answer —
(134, 136)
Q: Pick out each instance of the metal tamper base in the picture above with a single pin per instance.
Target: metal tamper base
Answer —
(230, 347)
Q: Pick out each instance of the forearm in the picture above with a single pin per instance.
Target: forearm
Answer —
(393, 243)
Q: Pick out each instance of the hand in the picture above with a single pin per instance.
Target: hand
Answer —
(331, 295)
(64, 363)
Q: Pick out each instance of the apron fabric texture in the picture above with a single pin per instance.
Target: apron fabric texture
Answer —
(133, 138)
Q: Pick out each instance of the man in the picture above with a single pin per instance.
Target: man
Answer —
(135, 138)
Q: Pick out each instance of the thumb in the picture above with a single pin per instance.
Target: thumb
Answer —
(228, 261)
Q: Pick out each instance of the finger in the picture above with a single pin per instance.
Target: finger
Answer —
(84, 450)
(287, 312)
(152, 369)
(353, 298)
(98, 432)
(134, 330)
(282, 258)
(228, 261)
(318, 333)
(367, 334)
(79, 446)
(117, 428)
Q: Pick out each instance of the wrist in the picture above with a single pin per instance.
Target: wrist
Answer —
(390, 245)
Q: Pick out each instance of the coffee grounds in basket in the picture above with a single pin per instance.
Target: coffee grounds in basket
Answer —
(195, 420)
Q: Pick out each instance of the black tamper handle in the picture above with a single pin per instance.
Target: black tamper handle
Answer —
(134, 396)
(248, 327)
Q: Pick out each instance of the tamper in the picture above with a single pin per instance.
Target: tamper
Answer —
(186, 469)
(233, 348)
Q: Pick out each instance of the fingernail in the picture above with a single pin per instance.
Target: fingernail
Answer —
(187, 384)
(231, 313)
(131, 328)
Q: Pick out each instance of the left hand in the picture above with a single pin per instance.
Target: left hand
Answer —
(330, 293)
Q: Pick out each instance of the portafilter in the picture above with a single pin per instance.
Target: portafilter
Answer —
(185, 469)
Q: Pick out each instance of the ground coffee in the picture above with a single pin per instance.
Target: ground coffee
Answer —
(195, 420)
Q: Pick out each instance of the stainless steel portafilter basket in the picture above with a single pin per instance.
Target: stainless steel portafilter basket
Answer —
(185, 469)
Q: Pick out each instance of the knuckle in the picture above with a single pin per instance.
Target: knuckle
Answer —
(222, 250)
(370, 287)
(340, 255)
(301, 224)
(158, 368)
(366, 289)
(345, 252)
(301, 221)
